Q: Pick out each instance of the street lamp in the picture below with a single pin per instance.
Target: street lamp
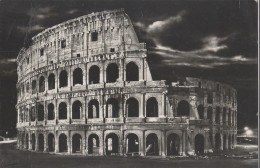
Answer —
(249, 132)
(246, 128)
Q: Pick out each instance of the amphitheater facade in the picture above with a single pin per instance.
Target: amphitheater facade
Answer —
(84, 87)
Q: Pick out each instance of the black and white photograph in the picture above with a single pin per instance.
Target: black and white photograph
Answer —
(129, 83)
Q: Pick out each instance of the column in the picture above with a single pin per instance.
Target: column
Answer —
(183, 144)
(45, 142)
(163, 106)
(163, 143)
(69, 142)
(56, 142)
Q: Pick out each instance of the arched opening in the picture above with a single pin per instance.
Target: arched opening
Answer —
(63, 147)
(51, 143)
(224, 117)
(62, 111)
(229, 142)
(40, 112)
(217, 141)
(41, 142)
(217, 118)
(152, 107)
(210, 98)
(112, 108)
(93, 144)
(112, 144)
(132, 143)
(132, 107)
(33, 141)
(26, 141)
(132, 72)
(112, 73)
(51, 113)
(93, 109)
(33, 86)
(224, 141)
(173, 145)
(199, 144)
(77, 76)
(94, 73)
(76, 143)
(183, 108)
(32, 113)
(42, 84)
(201, 111)
(210, 113)
(152, 147)
(76, 110)
(232, 140)
(63, 79)
(229, 117)
(22, 140)
(51, 81)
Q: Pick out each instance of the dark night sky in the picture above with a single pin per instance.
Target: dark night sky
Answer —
(215, 40)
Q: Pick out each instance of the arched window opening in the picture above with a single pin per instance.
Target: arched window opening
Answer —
(51, 113)
(33, 141)
(63, 79)
(33, 86)
(40, 112)
(199, 144)
(63, 111)
(51, 81)
(32, 113)
(132, 143)
(112, 145)
(51, 143)
(76, 110)
(224, 117)
(112, 73)
(210, 98)
(26, 141)
(112, 108)
(132, 106)
(93, 109)
(94, 73)
(77, 76)
(217, 119)
(152, 107)
(63, 147)
(41, 142)
(210, 114)
(93, 144)
(173, 145)
(201, 111)
(152, 147)
(132, 72)
(183, 108)
(229, 117)
(42, 84)
(76, 143)
(217, 141)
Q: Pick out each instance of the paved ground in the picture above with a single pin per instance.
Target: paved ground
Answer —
(10, 157)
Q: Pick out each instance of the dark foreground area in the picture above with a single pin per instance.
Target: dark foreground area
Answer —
(11, 157)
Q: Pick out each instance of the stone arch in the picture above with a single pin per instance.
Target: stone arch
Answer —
(217, 117)
(93, 144)
(51, 113)
(210, 113)
(217, 141)
(51, 81)
(112, 73)
(132, 72)
(40, 114)
(200, 109)
(112, 144)
(63, 146)
(112, 108)
(132, 143)
(93, 109)
(94, 74)
(63, 79)
(132, 107)
(152, 145)
(76, 143)
(33, 141)
(62, 111)
(42, 84)
(152, 107)
(173, 144)
(51, 142)
(76, 110)
(183, 108)
(77, 76)
(41, 142)
(199, 144)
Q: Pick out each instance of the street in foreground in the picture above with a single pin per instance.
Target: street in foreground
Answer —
(11, 157)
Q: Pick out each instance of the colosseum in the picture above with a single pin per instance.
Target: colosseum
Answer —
(85, 88)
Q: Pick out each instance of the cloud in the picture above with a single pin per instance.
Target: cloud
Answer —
(41, 13)
(30, 28)
(158, 26)
(211, 43)
(7, 60)
(72, 11)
